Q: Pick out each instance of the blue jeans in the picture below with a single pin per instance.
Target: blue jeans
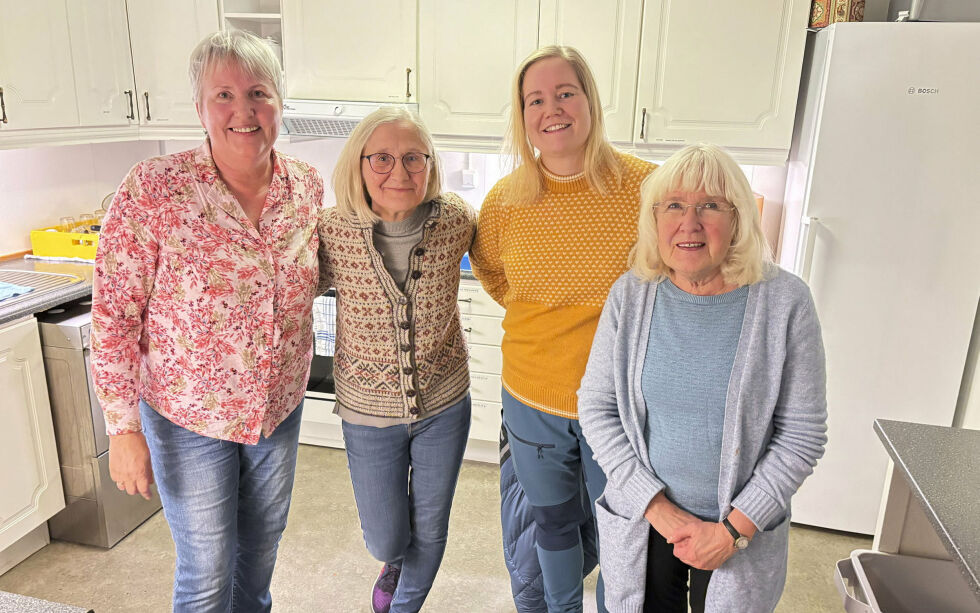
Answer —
(404, 478)
(550, 458)
(226, 504)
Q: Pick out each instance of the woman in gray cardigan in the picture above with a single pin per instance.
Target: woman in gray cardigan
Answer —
(703, 400)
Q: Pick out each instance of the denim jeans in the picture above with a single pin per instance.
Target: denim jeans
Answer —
(550, 458)
(226, 504)
(404, 478)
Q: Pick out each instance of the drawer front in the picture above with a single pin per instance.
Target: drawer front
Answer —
(486, 359)
(482, 330)
(485, 424)
(474, 301)
(485, 387)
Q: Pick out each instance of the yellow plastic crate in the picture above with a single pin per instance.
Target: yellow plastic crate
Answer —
(63, 244)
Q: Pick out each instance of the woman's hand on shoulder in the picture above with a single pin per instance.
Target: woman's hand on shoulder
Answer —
(129, 463)
(702, 544)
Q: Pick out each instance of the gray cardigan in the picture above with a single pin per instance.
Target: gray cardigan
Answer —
(775, 430)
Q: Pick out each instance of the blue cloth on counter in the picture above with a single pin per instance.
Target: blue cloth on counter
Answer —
(9, 290)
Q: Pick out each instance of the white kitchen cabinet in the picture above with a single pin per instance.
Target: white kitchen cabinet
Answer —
(339, 50)
(103, 65)
(30, 478)
(163, 34)
(608, 36)
(38, 87)
(725, 73)
(468, 52)
(481, 319)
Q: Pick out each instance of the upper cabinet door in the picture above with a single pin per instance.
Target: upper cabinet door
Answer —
(103, 63)
(468, 52)
(608, 36)
(35, 65)
(721, 72)
(341, 50)
(163, 35)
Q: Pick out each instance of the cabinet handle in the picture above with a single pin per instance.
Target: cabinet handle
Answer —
(408, 83)
(467, 330)
(146, 96)
(464, 300)
(643, 124)
(132, 109)
(3, 108)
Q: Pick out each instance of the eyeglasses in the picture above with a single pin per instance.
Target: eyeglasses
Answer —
(706, 211)
(383, 163)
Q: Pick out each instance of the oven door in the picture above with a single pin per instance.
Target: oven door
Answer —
(320, 384)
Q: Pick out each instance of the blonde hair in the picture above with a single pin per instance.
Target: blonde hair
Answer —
(527, 179)
(251, 53)
(353, 200)
(710, 169)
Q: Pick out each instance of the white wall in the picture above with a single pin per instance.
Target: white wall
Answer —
(40, 185)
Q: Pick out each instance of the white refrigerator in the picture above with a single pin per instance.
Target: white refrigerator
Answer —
(883, 221)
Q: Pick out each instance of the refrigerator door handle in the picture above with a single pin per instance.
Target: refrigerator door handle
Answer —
(806, 245)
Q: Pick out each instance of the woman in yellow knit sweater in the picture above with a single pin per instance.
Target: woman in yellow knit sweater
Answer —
(552, 238)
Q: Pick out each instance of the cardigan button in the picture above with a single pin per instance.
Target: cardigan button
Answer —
(405, 347)
(411, 394)
(414, 411)
(404, 325)
(420, 252)
(416, 274)
(408, 370)
(402, 300)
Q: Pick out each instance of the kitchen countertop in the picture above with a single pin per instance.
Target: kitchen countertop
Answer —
(942, 468)
(46, 300)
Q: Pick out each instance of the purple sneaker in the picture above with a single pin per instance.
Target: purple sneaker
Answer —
(384, 588)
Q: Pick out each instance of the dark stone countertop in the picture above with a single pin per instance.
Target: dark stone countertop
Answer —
(47, 299)
(942, 468)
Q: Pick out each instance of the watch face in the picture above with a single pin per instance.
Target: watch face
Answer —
(741, 542)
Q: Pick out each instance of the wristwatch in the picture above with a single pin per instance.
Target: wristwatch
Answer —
(740, 541)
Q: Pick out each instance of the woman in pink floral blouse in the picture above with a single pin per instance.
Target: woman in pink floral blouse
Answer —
(202, 328)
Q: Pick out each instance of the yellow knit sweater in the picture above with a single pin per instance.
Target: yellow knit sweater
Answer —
(551, 264)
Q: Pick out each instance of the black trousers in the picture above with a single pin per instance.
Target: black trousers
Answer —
(667, 580)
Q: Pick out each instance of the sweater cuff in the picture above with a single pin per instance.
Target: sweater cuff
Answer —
(761, 508)
(639, 490)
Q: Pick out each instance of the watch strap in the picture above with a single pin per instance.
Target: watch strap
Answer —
(731, 529)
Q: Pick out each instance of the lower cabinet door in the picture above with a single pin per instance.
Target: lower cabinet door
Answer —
(30, 478)
(485, 424)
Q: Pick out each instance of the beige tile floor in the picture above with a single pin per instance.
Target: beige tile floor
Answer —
(323, 565)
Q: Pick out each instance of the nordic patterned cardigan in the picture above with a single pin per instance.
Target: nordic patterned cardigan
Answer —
(398, 353)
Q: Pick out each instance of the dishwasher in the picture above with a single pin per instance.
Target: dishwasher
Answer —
(96, 512)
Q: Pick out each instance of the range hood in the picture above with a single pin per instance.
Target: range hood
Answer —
(329, 118)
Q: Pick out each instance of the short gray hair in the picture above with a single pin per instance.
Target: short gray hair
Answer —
(253, 54)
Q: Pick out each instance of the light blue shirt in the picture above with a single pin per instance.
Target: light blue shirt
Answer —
(690, 353)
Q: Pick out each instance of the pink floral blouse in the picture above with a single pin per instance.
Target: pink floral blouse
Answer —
(194, 310)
